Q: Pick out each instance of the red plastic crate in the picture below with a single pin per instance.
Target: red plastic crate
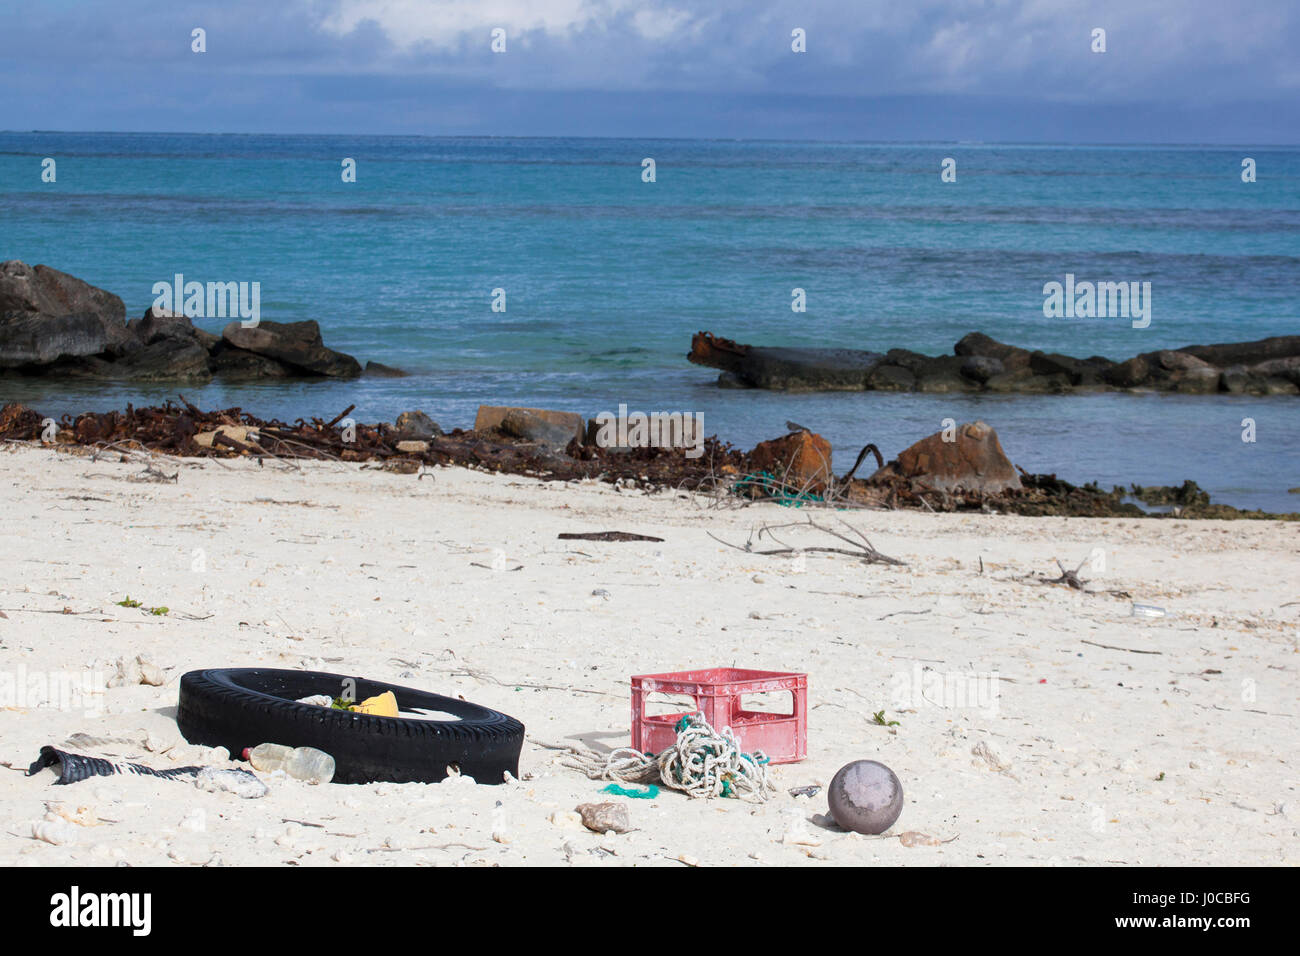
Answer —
(717, 693)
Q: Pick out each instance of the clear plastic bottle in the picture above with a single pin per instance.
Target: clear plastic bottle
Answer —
(301, 763)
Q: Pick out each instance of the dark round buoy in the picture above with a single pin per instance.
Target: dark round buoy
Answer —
(865, 796)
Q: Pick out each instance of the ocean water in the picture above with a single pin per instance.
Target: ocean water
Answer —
(606, 277)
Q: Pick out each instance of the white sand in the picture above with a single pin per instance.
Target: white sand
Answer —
(359, 571)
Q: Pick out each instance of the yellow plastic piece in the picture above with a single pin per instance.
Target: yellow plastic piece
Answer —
(385, 705)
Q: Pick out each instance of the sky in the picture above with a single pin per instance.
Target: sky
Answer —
(1173, 71)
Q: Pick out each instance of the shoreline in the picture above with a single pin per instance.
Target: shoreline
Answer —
(798, 468)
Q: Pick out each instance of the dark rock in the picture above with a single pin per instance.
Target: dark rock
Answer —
(931, 373)
(977, 343)
(1019, 380)
(981, 368)
(891, 378)
(548, 427)
(377, 370)
(1196, 381)
(1246, 353)
(239, 365)
(786, 369)
(980, 363)
(972, 461)
(294, 343)
(416, 426)
(796, 369)
(906, 358)
(166, 360)
(47, 315)
(158, 324)
(1129, 374)
(1287, 369)
(943, 374)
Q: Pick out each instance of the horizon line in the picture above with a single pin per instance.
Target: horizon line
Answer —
(697, 139)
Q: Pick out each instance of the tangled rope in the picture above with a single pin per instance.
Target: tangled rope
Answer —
(773, 488)
(701, 763)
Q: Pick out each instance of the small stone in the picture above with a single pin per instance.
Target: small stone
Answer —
(239, 782)
(416, 426)
(341, 856)
(412, 447)
(604, 817)
(57, 832)
(141, 670)
(687, 859)
(567, 820)
(797, 832)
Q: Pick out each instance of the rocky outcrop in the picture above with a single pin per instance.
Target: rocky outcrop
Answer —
(295, 344)
(968, 458)
(47, 316)
(52, 323)
(982, 364)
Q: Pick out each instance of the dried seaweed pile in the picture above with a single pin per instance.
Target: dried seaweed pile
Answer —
(181, 429)
(185, 430)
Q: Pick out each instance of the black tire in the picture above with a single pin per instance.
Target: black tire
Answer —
(243, 707)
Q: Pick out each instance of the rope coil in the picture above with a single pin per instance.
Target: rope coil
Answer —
(701, 763)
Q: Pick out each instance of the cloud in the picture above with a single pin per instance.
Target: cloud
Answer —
(131, 58)
(1162, 49)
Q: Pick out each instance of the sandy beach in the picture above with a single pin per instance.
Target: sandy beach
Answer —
(1092, 736)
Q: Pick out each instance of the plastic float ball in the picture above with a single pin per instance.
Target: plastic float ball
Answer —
(865, 796)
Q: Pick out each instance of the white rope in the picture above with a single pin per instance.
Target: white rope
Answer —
(701, 763)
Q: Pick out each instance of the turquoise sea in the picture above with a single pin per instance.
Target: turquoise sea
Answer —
(606, 277)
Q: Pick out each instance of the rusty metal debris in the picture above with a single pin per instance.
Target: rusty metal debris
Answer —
(173, 428)
(730, 477)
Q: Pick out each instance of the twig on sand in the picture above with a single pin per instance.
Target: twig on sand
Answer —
(1112, 647)
(892, 613)
(605, 536)
(864, 551)
(1068, 577)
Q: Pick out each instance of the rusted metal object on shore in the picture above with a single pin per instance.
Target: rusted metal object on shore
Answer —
(716, 352)
(232, 432)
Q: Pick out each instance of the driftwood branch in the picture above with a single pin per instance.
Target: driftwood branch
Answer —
(1068, 577)
(864, 550)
